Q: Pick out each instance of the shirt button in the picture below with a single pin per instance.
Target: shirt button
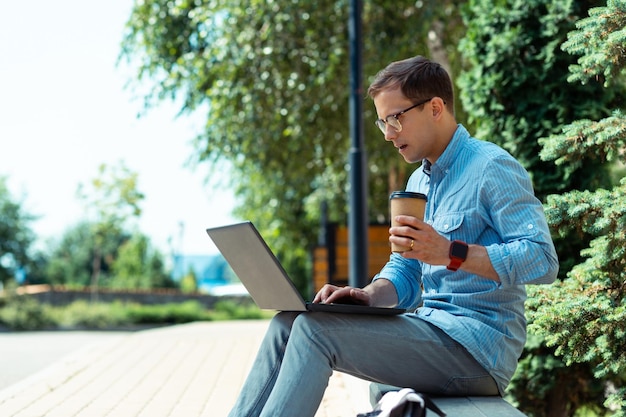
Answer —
(446, 226)
(530, 226)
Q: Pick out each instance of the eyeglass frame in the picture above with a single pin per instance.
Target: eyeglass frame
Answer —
(382, 123)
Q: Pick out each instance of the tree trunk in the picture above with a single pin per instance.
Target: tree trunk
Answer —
(95, 275)
(558, 405)
(435, 45)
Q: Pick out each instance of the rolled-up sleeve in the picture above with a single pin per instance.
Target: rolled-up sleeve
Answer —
(527, 254)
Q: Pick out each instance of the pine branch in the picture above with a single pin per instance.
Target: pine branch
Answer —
(606, 139)
(600, 39)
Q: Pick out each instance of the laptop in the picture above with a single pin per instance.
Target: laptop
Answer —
(259, 271)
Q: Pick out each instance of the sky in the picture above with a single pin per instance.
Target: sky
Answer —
(64, 110)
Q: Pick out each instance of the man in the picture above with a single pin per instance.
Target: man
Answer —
(483, 238)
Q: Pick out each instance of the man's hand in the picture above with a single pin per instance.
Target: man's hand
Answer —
(380, 293)
(341, 295)
(427, 244)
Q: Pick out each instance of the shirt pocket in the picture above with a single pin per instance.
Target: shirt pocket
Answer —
(448, 224)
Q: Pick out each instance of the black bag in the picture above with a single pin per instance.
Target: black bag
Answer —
(403, 403)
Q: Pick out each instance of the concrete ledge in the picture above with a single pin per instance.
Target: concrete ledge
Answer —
(492, 406)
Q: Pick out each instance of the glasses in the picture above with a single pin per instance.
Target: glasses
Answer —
(392, 120)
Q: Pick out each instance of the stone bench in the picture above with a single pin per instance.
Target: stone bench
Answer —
(491, 406)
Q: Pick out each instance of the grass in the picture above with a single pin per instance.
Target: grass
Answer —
(24, 313)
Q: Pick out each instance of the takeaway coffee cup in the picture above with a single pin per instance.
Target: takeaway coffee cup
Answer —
(405, 203)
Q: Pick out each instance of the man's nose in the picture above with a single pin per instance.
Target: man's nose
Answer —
(390, 132)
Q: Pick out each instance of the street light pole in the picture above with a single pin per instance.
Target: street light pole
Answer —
(358, 218)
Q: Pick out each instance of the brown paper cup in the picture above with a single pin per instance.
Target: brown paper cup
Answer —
(405, 203)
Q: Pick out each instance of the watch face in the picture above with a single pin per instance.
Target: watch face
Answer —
(458, 250)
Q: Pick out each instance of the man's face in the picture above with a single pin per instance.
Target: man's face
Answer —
(414, 138)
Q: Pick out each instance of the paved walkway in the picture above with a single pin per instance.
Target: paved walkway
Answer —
(192, 370)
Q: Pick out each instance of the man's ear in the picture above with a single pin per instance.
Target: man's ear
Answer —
(438, 107)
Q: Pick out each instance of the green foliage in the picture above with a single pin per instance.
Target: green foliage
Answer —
(189, 283)
(16, 236)
(514, 87)
(125, 261)
(599, 40)
(71, 259)
(516, 90)
(172, 313)
(23, 313)
(230, 310)
(137, 265)
(111, 199)
(603, 140)
(584, 318)
(273, 78)
(544, 385)
(101, 250)
(82, 314)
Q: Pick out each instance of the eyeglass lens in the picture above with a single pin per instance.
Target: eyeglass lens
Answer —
(393, 121)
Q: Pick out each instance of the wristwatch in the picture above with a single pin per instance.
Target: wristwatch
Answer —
(458, 254)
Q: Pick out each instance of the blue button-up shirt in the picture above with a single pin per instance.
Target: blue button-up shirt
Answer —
(479, 194)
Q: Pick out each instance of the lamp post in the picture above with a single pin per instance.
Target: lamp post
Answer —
(357, 219)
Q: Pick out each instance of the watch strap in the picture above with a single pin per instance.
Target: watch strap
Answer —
(455, 264)
(457, 247)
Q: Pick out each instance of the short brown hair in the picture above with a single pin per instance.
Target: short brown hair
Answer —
(418, 79)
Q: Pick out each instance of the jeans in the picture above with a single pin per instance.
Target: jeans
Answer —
(301, 350)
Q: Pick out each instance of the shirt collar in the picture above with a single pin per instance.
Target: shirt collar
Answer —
(447, 158)
(426, 165)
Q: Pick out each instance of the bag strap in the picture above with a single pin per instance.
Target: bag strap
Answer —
(428, 403)
(432, 406)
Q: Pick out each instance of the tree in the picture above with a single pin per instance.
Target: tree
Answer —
(137, 265)
(514, 91)
(16, 236)
(273, 79)
(112, 199)
(127, 260)
(513, 86)
(103, 250)
(189, 283)
(71, 259)
(585, 317)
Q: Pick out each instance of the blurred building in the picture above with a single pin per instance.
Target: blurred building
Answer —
(212, 273)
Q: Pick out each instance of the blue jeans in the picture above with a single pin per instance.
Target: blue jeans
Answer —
(301, 350)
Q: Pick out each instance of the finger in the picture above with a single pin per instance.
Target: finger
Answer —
(324, 293)
(403, 240)
(337, 295)
(409, 221)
